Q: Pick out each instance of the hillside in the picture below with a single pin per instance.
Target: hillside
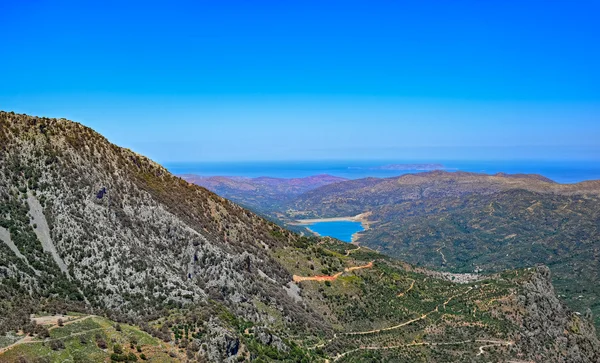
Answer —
(488, 233)
(89, 227)
(264, 194)
(468, 222)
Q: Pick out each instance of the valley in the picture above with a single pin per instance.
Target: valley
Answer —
(143, 258)
(470, 223)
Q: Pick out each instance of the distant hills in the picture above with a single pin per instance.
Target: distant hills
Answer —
(149, 260)
(410, 167)
(264, 193)
(361, 195)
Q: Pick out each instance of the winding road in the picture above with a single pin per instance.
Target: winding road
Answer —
(489, 343)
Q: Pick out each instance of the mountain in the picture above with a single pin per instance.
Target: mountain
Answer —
(97, 232)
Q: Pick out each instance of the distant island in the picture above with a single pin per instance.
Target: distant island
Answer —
(419, 167)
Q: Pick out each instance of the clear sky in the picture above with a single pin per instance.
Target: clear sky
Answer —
(301, 80)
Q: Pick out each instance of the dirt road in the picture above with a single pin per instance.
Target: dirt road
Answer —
(297, 278)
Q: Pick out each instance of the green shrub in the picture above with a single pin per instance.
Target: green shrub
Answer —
(118, 349)
(118, 357)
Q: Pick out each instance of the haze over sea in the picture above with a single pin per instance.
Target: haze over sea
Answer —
(560, 171)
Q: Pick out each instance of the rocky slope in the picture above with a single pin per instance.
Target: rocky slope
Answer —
(101, 226)
(88, 226)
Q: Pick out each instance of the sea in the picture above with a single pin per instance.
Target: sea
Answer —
(560, 171)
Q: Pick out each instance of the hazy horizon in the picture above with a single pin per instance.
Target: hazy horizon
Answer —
(566, 171)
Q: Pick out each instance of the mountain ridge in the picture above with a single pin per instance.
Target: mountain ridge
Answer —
(361, 195)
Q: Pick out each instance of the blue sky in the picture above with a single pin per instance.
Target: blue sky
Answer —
(300, 80)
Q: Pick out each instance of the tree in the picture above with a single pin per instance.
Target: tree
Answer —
(60, 322)
(57, 344)
(42, 331)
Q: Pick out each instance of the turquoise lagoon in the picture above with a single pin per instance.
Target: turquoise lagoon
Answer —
(342, 230)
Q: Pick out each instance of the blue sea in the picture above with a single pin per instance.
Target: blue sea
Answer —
(559, 171)
(342, 230)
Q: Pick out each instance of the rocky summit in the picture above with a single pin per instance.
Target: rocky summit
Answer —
(104, 255)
